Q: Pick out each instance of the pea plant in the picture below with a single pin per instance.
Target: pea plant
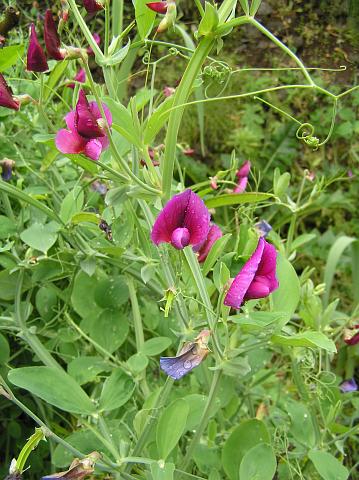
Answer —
(154, 326)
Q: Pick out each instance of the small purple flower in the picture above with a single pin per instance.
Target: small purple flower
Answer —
(256, 279)
(79, 77)
(204, 248)
(78, 470)
(184, 220)
(52, 39)
(351, 335)
(168, 91)
(36, 58)
(7, 166)
(242, 177)
(7, 99)
(85, 132)
(348, 386)
(99, 187)
(93, 6)
(191, 355)
(263, 228)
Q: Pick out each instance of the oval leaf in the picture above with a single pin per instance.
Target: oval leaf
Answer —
(171, 426)
(328, 467)
(117, 390)
(155, 346)
(53, 386)
(259, 463)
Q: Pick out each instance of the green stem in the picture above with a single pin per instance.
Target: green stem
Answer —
(107, 27)
(117, 17)
(204, 419)
(29, 446)
(152, 419)
(283, 47)
(86, 31)
(175, 118)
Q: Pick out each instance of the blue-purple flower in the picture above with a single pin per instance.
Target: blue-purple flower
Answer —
(256, 279)
(191, 355)
(263, 228)
(348, 386)
(184, 220)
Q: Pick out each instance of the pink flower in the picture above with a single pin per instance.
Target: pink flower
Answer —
(79, 77)
(351, 335)
(85, 132)
(97, 39)
(242, 176)
(52, 39)
(213, 183)
(93, 6)
(158, 7)
(184, 220)
(256, 279)
(204, 248)
(168, 91)
(36, 59)
(7, 99)
(189, 152)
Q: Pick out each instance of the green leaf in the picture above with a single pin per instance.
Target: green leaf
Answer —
(111, 292)
(157, 120)
(85, 217)
(137, 363)
(123, 121)
(117, 57)
(171, 426)
(10, 55)
(214, 254)
(83, 162)
(144, 18)
(123, 227)
(334, 255)
(53, 79)
(209, 20)
(302, 240)
(83, 295)
(54, 386)
(71, 204)
(254, 7)
(302, 427)
(7, 227)
(245, 6)
(247, 435)
(161, 471)
(86, 369)
(109, 330)
(328, 467)
(46, 302)
(306, 339)
(259, 463)
(286, 297)
(117, 390)
(196, 404)
(236, 199)
(260, 321)
(40, 237)
(155, 346)
(4, 350)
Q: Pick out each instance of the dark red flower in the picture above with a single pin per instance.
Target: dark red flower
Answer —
(93, 6)
(158, 7)
(52, 39)
(7, 99)
(36, 58)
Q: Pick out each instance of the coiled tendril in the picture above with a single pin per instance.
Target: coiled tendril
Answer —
(218, 73)
(306, 133)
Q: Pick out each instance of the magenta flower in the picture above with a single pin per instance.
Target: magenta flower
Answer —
(351, 335)
(97, 39)
(183, 221)
(79, 77)
(7, 99)
(257, 279)
(204, 248)
(36, 58)
(85, 132)
(52, 39)
(93, 6)
(242, 176)
(158, 7)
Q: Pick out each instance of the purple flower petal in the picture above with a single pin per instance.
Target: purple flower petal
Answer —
(69, 142)
(97, 39)
(36, 59)
(97, 114)
(180, 238)
(51, 37)
(185, 210)
(351, 335)
(85, 121)
(204, 248)
(244, 170)
(237, 291)
(263, 228)
(257, 279)
(92, 6)
(241, 185)
(93, 149)
(348, 386)
(79, 77)
(6, 97)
